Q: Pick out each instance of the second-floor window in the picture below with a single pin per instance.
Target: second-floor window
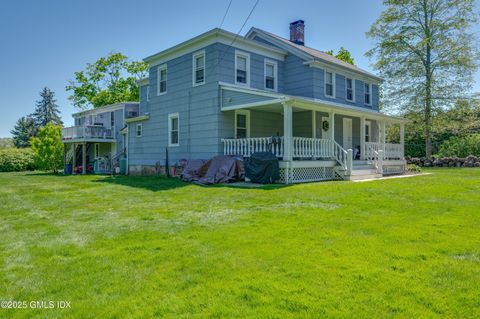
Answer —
(329, 84)
(270, 75)
(349, 90)
(199, 68)
(368, 93)
(162, 80)
(242, 66)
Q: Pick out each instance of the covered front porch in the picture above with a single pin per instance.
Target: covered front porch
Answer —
(315, 141)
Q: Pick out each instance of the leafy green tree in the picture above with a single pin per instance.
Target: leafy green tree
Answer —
(342, 54)
(108, 80)
(427, 55)
(23, 130)
(46, 110)
(48, 148)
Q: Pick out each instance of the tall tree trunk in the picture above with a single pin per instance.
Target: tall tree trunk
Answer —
(428, 85)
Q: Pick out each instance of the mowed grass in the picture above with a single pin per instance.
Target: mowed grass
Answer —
(144, 247)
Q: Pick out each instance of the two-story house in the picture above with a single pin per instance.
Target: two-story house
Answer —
(221, 93)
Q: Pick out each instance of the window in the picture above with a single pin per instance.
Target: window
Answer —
(162, 80)
(139, 130)
(350, 89)
(368, 132)
(199, 68)
(112, 119)
(96, 150)
(173, 129)
(329, 84)
(368, 89)
(242, 68)
(270, 75)
(148, 93)
(242, 124)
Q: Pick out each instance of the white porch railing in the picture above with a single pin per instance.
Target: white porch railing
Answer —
(374, 155)
(307, 147)
(391, 151)
(248, 146)
(76, 132)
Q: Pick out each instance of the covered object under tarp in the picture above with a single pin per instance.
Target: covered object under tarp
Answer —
(220, 169)
(262, 168)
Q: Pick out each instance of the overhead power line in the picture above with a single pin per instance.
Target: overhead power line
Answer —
(225, 15)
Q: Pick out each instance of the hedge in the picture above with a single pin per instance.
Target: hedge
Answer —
(15, 160)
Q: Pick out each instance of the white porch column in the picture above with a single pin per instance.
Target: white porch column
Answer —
(384, 133)
(84, 158)
(314, 124)
(362, 138)
(331, 120)
(74, 158)
(287, 132)
(402, 138)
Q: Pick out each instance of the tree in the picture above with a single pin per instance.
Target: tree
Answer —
(46, 110)
(426, 54)
(48, 148)
(342, 54)
(6, 142)
(108, 80)
(23, 130)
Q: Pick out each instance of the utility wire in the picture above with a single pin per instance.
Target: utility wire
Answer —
(225, 15)
(238, 33)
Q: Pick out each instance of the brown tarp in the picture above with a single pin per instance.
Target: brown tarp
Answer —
(220, 169)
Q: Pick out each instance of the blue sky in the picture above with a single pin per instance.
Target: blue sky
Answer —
(44, 42)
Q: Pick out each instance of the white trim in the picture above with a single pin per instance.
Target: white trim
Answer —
(103, 109)
(370, 93)
(341, 70)
(170, 117)
(159, 69)
(275, 74)
(247, 58)
(140, 125)
(353, 89)
(194, 67)
(137, 119)
(325, 83)
(247, 121)
(369, 125)
(254, 104)
(212, 37)
(243, 89)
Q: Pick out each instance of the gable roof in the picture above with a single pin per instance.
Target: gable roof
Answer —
(311, 53)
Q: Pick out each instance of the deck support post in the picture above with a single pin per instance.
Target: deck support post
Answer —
(84, 158)
(402, 139)
(362, 138)
(74, 158)
(64, 158)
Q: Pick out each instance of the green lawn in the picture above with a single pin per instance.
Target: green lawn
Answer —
(143, 247)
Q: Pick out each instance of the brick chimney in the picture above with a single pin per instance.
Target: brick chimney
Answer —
(297, 29)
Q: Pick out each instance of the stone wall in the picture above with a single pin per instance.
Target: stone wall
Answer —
(469, 161)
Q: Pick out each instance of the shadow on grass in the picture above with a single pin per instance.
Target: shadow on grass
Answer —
(161, 183)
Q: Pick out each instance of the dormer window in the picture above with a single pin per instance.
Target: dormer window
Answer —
(199, 68)
(368, 93)
(329, 84)
(242, 68)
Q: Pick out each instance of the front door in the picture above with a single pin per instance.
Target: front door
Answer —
(347, 133)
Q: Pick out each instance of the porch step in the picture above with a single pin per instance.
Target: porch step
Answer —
(360, 162)
(362, 167)
(364, 176)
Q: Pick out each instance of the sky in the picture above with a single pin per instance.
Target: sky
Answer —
(42, 43)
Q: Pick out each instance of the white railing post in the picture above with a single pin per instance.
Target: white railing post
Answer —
(362, 138)
(380, 162)
(349, 161)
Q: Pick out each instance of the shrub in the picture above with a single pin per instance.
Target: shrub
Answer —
(460, 146)
(414, 168)
(16, 160)
(48, 148)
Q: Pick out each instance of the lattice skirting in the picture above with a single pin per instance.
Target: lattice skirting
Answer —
(393, 169)
(306, 174)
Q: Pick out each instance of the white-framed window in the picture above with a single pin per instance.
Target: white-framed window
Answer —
(329, 84)
(162, 79)
(148, 92)
(368, 93)
(242, 123)
(350, 89)
(139, 130)
(368, 131)
(198, 68)
(242, 68)
(112, 119)
(96, 150)
(270, 73)
(173, 129)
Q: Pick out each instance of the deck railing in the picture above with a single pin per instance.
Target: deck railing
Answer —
(391, 151)
(307, 147)
(85, 132)
(248, 146)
